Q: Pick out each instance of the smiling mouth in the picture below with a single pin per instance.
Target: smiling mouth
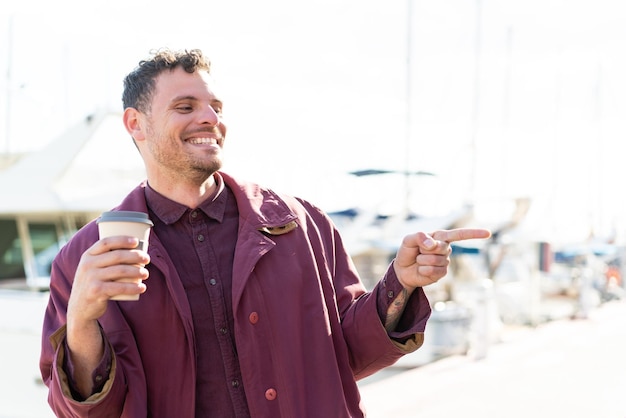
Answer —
(201, 141)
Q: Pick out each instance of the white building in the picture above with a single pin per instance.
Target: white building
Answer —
(45, 196)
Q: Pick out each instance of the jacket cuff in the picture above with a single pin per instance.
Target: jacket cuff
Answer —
(409, 333)
(102, 377)
(414, 342)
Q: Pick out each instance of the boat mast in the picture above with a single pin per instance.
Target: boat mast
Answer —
(408, 121)
(8, 98)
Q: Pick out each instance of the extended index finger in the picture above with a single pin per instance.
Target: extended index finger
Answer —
(461, 234)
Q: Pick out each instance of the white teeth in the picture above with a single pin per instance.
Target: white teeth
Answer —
(199, 141)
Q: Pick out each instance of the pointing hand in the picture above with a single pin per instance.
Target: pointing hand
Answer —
(423, 259)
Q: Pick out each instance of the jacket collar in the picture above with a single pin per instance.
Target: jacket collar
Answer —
(260, 208)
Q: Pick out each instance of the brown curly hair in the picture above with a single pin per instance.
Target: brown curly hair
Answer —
(139, 85)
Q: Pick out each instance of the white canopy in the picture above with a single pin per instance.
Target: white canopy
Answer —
(88, 169)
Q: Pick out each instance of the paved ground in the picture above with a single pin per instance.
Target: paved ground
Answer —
(564, 368)
(21, 393)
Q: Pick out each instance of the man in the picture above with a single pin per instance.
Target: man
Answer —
(253, 307)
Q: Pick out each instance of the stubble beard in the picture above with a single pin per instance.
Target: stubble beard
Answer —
(188, 168)
(199, 171)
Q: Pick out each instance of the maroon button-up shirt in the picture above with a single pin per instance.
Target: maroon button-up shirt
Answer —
(201, 243)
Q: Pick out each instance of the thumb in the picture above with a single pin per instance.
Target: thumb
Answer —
(418, 241)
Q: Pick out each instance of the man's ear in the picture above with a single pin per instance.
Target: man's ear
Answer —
(133, 123)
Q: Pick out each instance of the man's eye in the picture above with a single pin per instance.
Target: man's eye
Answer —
(184, 108)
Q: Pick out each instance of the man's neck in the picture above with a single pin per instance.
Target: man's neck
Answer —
(188, 194)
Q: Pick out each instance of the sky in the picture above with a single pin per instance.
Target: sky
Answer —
(500, 99)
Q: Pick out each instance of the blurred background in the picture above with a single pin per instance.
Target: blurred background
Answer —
(391, 116)
(499, 99)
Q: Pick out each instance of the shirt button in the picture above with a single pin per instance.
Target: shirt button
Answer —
(200, 237)
(98, 378)
(235, 383)
(194, 214)
(254, 318)
(270, 394)
(390, 294)
(223, 330)
(213, 282)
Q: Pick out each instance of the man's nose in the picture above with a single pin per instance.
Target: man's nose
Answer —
(210, 116)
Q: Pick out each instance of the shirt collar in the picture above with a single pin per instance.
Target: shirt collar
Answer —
(169, 211)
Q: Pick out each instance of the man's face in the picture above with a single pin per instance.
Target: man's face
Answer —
(184, 131)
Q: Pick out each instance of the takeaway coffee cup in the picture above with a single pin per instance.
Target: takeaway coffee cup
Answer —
(135, 224)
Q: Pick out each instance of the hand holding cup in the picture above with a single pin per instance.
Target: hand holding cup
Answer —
(129, 223)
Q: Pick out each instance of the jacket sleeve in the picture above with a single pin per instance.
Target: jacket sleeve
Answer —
(363, 313)
(110, 401)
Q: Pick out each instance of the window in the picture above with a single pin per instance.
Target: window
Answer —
(45, 242)
(11, 261)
